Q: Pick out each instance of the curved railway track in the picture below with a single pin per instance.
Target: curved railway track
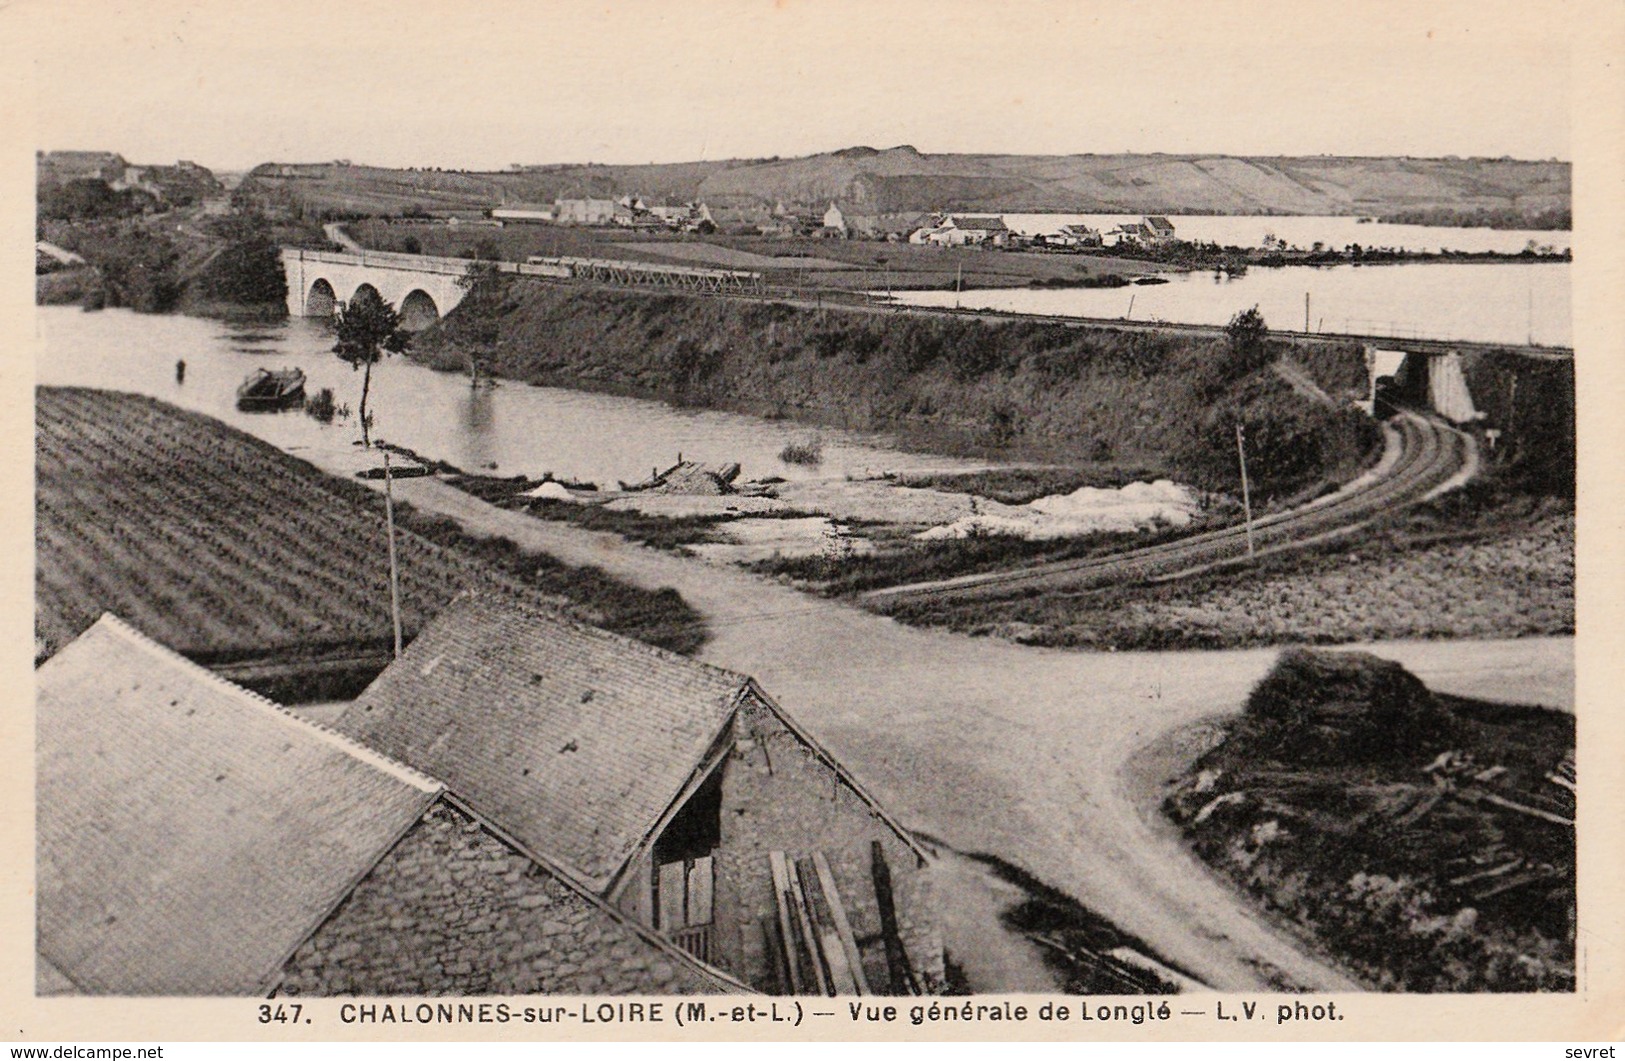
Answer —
(1430, 455)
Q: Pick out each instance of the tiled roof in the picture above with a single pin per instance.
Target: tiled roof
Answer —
(985, 224)
(453, 909)
(49, 980)
(1159, 224)
(572, 740)
(190, 834)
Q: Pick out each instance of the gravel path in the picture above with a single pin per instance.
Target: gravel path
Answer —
(1016, 751)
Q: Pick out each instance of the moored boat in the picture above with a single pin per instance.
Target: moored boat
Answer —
(266, 389)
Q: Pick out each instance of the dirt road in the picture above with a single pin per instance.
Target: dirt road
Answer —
(1016, 751)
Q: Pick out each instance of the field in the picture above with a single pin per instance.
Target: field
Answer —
(904, 180)
(1518, 581)
(227, 550)
(730, 257)
(801, 261)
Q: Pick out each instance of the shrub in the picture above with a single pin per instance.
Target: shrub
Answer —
(809, 452)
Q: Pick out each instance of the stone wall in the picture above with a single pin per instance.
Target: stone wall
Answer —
(778, 796)
(452, 909)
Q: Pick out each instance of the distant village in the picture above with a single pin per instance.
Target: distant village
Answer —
(939, 229)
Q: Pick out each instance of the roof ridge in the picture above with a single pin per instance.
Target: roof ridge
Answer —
(417, 779)
(567, 877)
(518, 603)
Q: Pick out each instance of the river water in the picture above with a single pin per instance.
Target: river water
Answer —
(507, 429)
(1496, 302)
(1303, 232)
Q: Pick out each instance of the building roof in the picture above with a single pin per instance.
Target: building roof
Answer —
(1159, 224)
(191, 834)
(455, 909)
(985, 224)
(573, 740)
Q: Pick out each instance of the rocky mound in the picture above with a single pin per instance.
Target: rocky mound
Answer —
(1324, 707)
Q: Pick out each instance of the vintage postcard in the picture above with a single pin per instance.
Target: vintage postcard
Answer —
(814, 521)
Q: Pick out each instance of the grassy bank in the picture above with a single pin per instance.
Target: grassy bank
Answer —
(1420, 839)
(221, 546)
(1480, 563)
(1012, 389)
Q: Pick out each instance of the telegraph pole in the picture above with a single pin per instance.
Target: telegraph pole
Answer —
(1246, 497)
(394, 570)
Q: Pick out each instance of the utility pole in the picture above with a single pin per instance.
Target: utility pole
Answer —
(1246, 496)
(959, 274)
(394, 570)
(1306, 313)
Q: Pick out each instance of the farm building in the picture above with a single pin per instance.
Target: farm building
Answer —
(678, 792)
(1159, 229)
(196, 839)
(586, 211)
(964, 231)
(532, 213)
(1131, 234)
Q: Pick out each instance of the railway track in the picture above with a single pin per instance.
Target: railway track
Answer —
(1430, 455)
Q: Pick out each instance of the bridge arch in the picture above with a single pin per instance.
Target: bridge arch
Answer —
(364, 286)
(418, 310)
(321, 300)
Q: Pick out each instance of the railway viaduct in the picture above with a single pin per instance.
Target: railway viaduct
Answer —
(423, 288)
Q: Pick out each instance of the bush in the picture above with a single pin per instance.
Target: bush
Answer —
(321, 406)
(810, 452)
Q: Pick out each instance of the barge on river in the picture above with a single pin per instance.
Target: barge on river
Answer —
(266, 389)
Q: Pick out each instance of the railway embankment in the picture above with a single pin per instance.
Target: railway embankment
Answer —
(1012, 389)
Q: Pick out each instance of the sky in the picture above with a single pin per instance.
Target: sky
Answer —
(481, 84)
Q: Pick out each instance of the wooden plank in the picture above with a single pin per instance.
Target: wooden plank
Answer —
(787, 935)
(897, 963)
(699, 891)
(809, 937)
(646, 891)
(843, 927)
(829, 941)
(672, 880)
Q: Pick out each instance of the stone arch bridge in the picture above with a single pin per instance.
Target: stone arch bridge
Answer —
(422, 288)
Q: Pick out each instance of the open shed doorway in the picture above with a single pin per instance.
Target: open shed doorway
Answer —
(684, 881)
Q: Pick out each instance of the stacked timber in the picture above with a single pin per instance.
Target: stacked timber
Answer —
(816, 949)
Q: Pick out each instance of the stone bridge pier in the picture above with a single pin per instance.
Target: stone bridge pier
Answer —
(1429, 378)
(422, 289)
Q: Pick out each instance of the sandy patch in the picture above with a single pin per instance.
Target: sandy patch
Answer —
(1087, 510)
(762, 539)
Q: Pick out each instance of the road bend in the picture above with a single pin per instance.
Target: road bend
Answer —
(1012, 750)
(1421, 454)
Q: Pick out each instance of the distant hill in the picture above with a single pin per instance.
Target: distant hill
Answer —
(903, 180)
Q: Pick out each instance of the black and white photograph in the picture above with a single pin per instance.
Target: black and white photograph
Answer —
(725, 508)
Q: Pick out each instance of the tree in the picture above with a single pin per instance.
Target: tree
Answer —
(248, 270)
(1249, 341)
(368, 327)
(476, 321)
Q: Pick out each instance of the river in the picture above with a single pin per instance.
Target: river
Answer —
(507, 429)
(1303, 232)
(1494, 302)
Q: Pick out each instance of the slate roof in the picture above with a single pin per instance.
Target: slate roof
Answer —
(1160, 225)
(191, 834)
(984, 224)
(454, 909)
(573, 740)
